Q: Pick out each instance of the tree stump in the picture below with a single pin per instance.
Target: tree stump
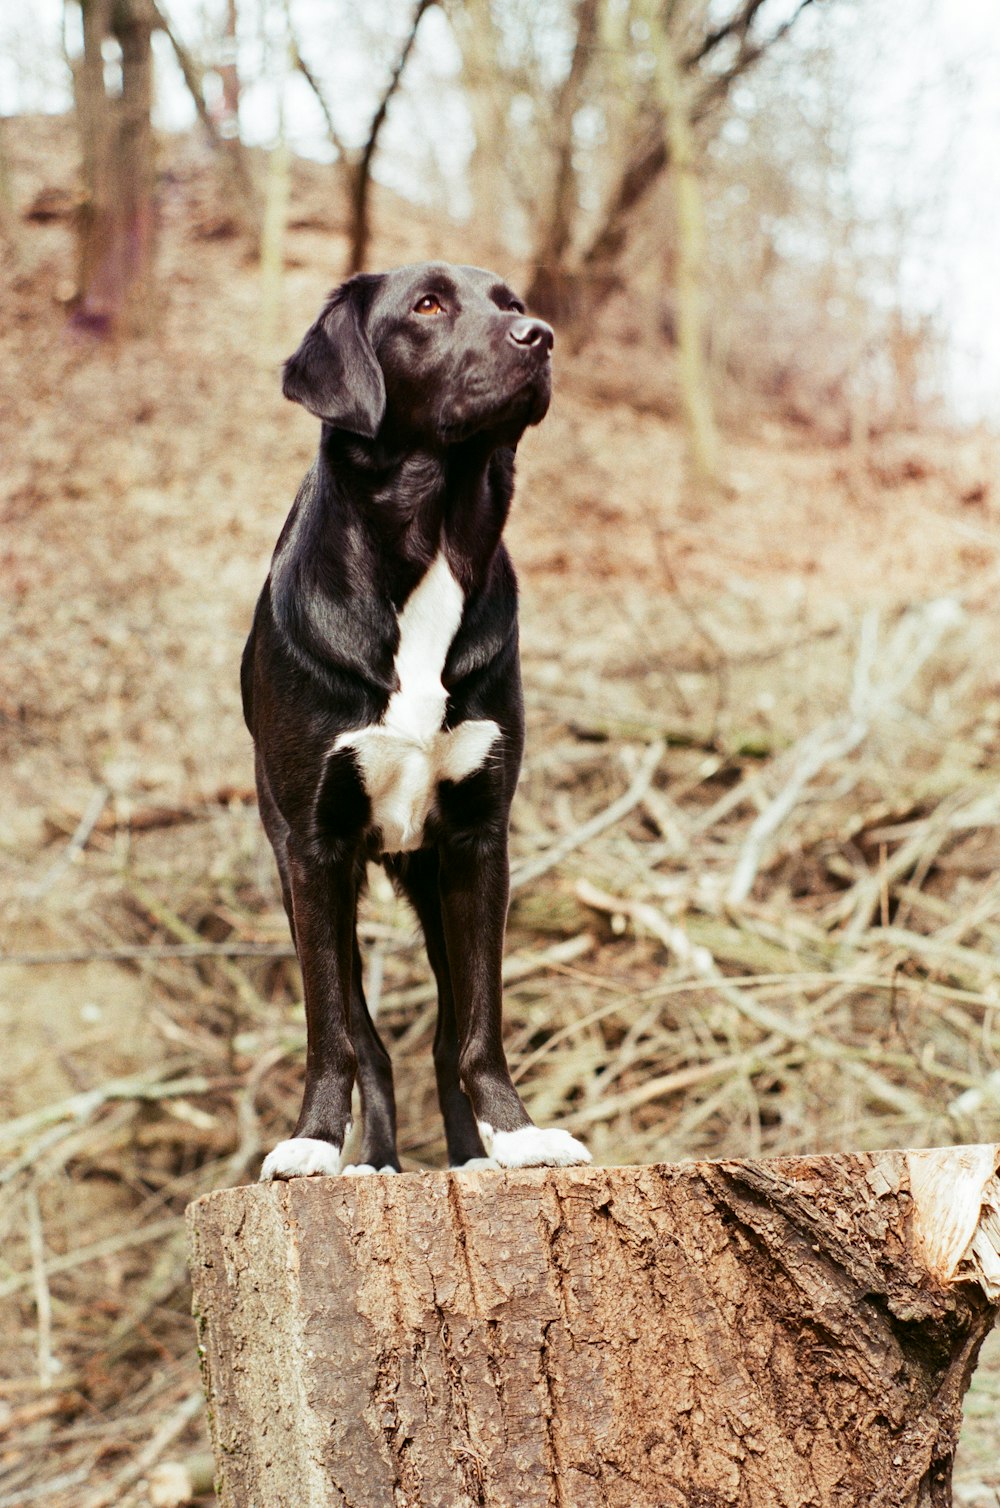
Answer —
(767, 1334)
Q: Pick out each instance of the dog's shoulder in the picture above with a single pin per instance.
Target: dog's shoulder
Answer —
(318, 609)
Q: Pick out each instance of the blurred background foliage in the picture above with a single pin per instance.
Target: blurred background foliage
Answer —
(834, 151)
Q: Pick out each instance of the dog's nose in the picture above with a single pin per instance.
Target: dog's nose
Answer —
(532, 332)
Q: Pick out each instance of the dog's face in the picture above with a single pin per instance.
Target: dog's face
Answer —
(429, 354)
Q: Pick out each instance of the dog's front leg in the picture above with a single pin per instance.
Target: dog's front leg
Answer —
(475, 883)
(324, 898)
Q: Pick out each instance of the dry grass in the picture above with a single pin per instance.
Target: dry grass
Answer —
(756, 905)
(849, 999)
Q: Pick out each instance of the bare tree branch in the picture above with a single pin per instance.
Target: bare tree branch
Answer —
(230, 149)
(749, 54)
(648, 158)
(738, 25)
(362, 178)
(299, 62)
(190, 71)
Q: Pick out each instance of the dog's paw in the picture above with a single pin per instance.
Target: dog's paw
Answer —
(532, 1147)
(474, 1165)
(364, 1170)
(301, 1157)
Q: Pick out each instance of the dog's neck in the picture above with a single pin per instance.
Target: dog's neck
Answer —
(364, 531)
(407, 504)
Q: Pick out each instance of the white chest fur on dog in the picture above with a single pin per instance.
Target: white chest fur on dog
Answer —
(403, 757)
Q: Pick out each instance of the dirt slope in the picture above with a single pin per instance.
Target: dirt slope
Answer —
(141, 490)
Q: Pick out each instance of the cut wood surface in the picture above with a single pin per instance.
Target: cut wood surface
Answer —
(776, 1333)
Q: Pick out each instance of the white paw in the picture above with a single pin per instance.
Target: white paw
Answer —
(474, 1164)
(300, 1157)
(363, 1170)
(532, 1147)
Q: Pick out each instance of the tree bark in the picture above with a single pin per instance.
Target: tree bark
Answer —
(692, 326)
(487, 96)
(116, 222)
(551, 291)
(9, 228)
(760, 1334)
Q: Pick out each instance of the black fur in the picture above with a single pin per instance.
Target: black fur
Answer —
(422, 412)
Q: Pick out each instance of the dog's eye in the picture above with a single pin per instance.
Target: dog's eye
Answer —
(515, 307)
(429, 304)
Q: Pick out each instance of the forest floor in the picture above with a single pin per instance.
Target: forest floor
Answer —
(821, 636)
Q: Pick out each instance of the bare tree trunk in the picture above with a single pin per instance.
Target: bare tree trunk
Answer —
(689, 214)
(233, 151)
(487, 96)
(783, 1334)
(597, 275)
(229, 74)
(9, 229)
(551, 291)
(116, 221)
(272, 240)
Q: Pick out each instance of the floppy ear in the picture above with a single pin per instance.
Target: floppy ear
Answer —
(335, 373)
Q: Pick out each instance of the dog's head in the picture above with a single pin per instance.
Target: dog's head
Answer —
(429, 354)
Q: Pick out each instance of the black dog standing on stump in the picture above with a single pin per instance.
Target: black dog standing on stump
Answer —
(382, 687)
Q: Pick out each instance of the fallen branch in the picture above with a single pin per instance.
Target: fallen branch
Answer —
(153, 952)
(74, 847)
(126, 1239)
(177, 927)
(729, 1066)
(703, 965)
(38, 1278)
(137, 952)
(909, 650)
(531, 869)
(175, 1424)
(80, 1107)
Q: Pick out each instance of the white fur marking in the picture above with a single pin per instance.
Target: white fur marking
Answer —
(474, 1165)
(364, 1170)
(428, 623)
(532, 1147)
(403, 758)
(463, 750)
(300, 1157)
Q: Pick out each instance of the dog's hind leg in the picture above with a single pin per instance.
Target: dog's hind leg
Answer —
(324, 898)
(418, 879)
(378, 1101)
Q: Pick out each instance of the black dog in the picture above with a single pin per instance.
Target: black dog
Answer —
(382, 687)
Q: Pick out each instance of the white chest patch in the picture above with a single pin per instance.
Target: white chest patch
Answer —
(403, 757)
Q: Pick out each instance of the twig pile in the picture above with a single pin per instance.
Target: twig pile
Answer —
(719, 943)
